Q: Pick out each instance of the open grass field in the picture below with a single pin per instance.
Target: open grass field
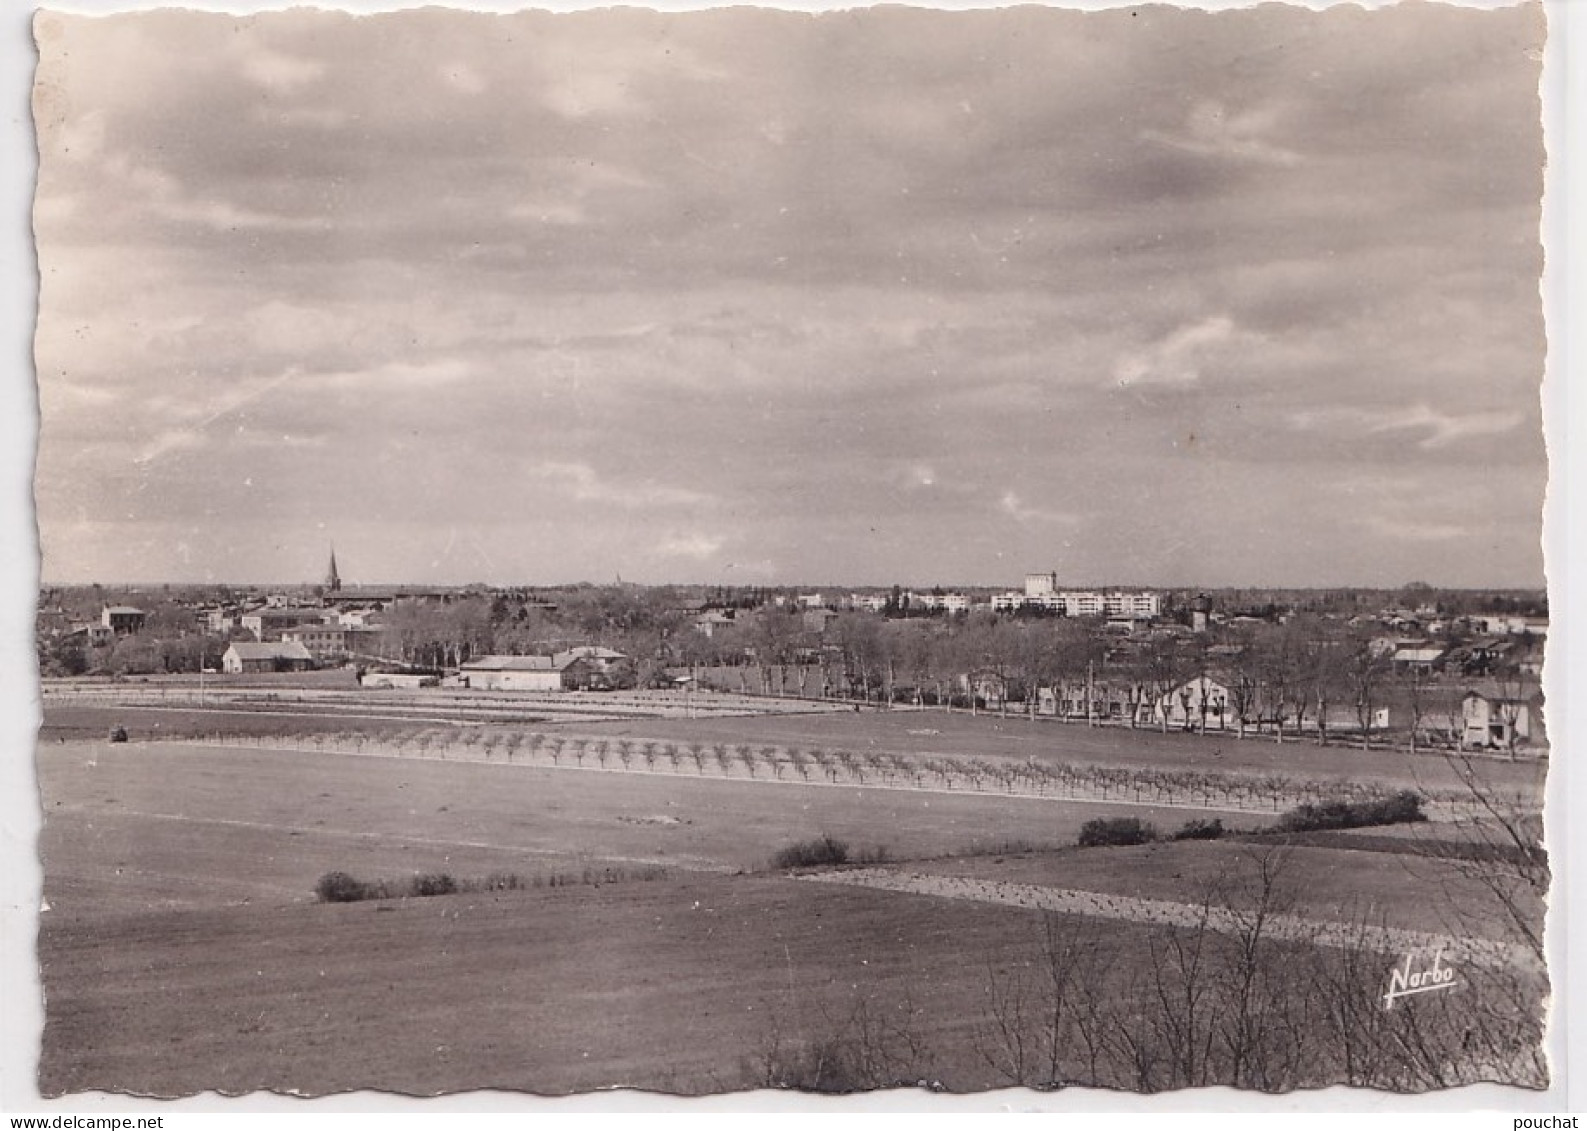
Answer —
(667, 986)
(211, 810)
(183, 950)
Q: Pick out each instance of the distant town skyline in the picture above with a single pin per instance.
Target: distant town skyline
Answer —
(350, 588)
(746, 297)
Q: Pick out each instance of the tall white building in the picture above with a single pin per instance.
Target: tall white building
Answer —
(1041, 591)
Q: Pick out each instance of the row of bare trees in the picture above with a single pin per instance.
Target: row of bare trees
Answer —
(1309, 675)
(1211, 789)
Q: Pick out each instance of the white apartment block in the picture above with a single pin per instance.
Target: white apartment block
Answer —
(1139, 605)
(943, 602)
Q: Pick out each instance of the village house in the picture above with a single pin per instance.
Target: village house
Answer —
(268, 624)
(1422, 657)
(323, 641)
(93, 632)
(123, 620)
(591, 668)
(709, 623)
(250, 656)
(1197, 704)
(514, 673)
(1102, 700)
(1494, 722)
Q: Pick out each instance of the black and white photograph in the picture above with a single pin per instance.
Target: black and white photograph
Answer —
(893, 550)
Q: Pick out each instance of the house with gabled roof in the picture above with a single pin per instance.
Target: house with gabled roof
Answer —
(515, 673)
(250, 656)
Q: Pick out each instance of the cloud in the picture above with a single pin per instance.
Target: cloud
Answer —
(171, 440)
(1011, 505)
(1439, 429)
(1212, 131)
(1177, 358)
(698, 547)
(868, 286)
(580, 481)
(1444, 429)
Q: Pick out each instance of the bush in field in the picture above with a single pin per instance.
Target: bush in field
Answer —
(339, 887)
(1200, 830)
(1404, 807)
(822, 852)
(434, 883)
(1106, 831)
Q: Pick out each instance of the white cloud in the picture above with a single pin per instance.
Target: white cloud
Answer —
(1439, 429)
(1015, 508)
(1446, 428)
(582, 483)
(1178, 358)
(171, 440)
(1211, 130)
(698, 547)
(404, 379)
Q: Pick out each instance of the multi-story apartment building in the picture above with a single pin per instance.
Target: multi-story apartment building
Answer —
(939, 602)
(1138, 605)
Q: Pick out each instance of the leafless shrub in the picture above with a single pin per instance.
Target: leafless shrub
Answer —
(1226, 1001)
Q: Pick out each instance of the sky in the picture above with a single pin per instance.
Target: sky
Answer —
(1146, 297)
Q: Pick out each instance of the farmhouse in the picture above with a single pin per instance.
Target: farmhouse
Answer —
(1418, 658)
(516, 673)
(1200, 702)
(591, 668)
(1118, 701)
(247, 656)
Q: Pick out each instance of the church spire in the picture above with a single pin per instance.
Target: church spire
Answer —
(333, 580)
